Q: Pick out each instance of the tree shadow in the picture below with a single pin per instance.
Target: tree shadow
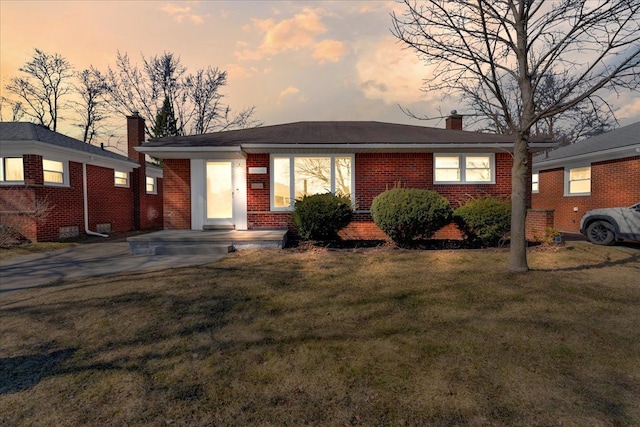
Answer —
(21, 373)
(632, 258)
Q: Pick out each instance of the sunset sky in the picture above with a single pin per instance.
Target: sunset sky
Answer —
(324, 60)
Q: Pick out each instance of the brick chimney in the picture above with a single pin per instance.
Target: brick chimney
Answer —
(454, 121)
(135, 135)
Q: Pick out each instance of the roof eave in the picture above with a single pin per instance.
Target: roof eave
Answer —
(169, 152)
(592, 157)
(21, 147)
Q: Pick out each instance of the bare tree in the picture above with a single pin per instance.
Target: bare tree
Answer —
(17, 110)
(195, 99)
(46, 80)
(591, 117)
(503, 50)
(93, 110)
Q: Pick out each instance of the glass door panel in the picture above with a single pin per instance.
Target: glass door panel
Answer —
(219, 193)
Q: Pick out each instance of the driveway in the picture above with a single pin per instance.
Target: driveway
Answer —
(91, 259)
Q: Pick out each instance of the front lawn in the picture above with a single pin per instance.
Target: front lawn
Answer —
(333, 337)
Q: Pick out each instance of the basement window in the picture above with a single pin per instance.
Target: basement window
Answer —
(11, 170)
(121, 179)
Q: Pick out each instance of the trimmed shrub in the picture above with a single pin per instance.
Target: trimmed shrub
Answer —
(321, 216)
(407, 214)
(485, 220)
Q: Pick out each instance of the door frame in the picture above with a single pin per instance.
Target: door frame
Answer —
(199, 192)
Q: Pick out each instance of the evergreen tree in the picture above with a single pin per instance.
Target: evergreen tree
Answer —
(165, 123)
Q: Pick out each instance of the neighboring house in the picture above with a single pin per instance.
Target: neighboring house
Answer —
(598, 172)
(83, 188)
(249, 179)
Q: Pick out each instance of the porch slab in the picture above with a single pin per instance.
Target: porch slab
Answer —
(207, 241)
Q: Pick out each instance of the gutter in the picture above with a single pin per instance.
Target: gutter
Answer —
(86, 204)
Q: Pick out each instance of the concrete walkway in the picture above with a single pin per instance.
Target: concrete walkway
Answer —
(91, 259)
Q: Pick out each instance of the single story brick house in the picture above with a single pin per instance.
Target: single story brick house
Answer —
(249, 179)
(598, 172)
(83, 188)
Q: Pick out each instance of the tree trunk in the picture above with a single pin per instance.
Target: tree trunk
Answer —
(518, 245)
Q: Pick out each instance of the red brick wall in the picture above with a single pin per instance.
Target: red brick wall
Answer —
(279, 220)
(537, 222)
(612, 184)
(177, 194)
(16, 205)
(615, 183)
(375, 173)
(151, 207)
(108, 203)
(66, 202)
(258, 199)
(33, 173)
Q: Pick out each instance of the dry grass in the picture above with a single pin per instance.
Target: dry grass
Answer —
(358, 337)
(32, 248)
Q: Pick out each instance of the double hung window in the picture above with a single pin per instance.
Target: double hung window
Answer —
(578, 181)
(53, 171)
(151, 185)
(121, 179)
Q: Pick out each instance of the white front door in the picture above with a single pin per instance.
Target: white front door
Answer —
(219, 194)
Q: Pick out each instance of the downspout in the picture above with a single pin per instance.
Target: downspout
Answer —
(86, 204)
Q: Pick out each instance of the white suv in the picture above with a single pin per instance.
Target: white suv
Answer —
(609, 225)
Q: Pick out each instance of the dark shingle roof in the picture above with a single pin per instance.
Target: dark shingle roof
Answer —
(22, 131)
(335, 132)
(618, 138)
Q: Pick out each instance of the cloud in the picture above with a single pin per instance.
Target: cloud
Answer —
(386, 71)
(329, 50)
(237, 71)
(179, 13)
(630, 109)
(292, 34)
(290, 93)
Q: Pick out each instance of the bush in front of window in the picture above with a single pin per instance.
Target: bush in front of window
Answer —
(406, 214)
(321, 216)
(484, 221)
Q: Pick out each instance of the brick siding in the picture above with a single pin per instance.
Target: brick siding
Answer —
(107, 204)
(613, 183)
(177, 194)
(375, 173)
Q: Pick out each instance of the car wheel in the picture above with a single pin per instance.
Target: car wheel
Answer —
(601, 233)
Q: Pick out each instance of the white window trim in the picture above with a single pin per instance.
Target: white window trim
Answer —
(2, 181)
(155, 185)
(538, 182)
(292, 176)
(567, 171)
(65, 172)
(121, 185)
(462, 162)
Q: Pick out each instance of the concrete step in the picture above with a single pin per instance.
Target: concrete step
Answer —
(193, 249)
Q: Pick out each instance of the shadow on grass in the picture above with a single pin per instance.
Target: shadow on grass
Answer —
(608, 262)
(24, 372)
